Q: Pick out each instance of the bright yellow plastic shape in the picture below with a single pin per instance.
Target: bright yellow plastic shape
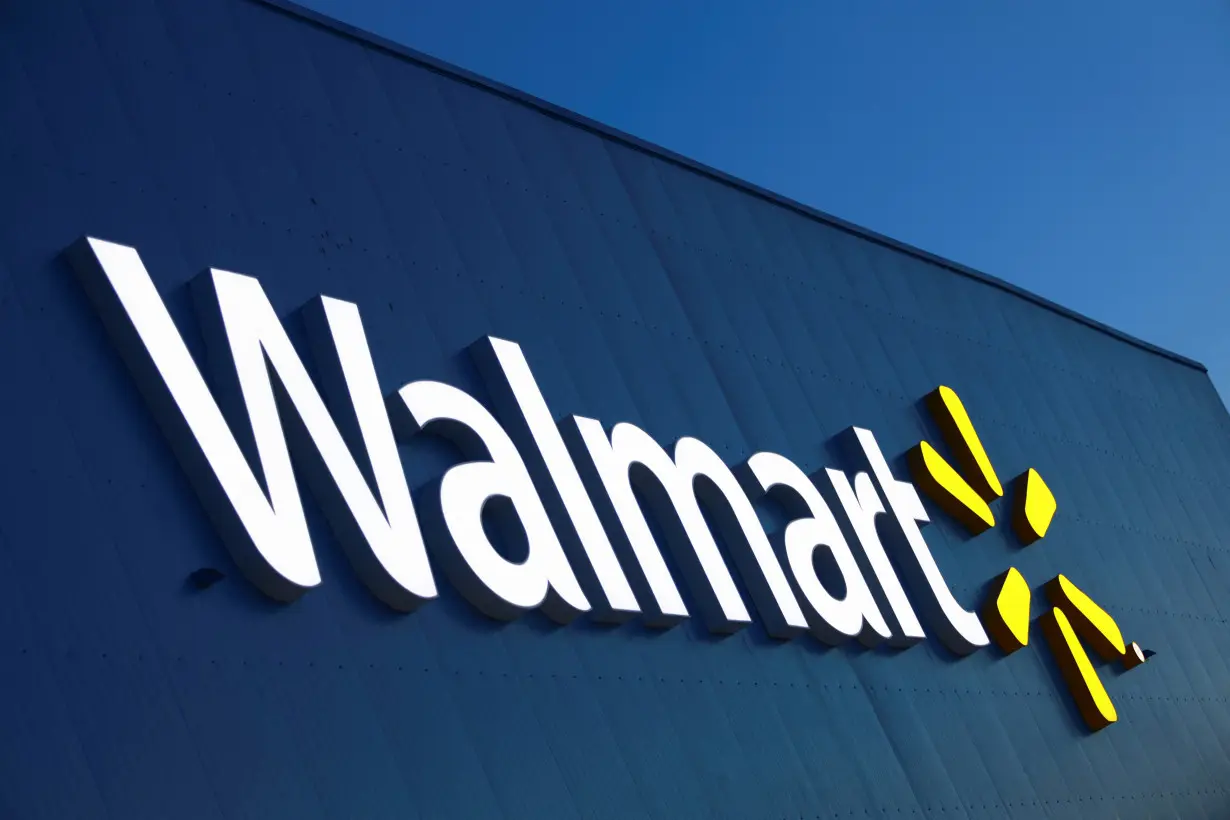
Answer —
(950, 490)
(952, 418)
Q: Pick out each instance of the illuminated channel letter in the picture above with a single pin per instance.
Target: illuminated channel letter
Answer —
(835, 619)
(522, 408)
(498, 587)
(959, 629)
(862, 504)
(673, 487)
(346, 451)
(264, 527)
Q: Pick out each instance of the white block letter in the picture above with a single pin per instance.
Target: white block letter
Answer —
(624, 458)
(496, 586)
(862, 504)
(856, 614)
(267, 534)
(960, 630)
(526, 416)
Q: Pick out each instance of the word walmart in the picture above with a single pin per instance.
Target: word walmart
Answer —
(572, 488)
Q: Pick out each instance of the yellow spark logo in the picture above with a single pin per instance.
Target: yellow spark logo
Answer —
(965, 492)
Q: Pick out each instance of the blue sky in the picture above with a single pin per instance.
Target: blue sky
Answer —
(1078, 149)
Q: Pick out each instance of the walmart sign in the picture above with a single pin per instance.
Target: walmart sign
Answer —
(572, 488)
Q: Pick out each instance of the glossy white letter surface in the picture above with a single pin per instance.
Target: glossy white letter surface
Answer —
(856, 613)
(959, 629)
(862, 504)
(629, 455)
(528, 420)
(498, 587)
(267, 534)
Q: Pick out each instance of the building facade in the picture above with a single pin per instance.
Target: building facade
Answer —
(381, 442)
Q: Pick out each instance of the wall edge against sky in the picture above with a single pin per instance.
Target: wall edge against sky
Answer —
(579, 120)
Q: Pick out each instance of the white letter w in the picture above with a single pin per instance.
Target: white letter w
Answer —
(266, 532)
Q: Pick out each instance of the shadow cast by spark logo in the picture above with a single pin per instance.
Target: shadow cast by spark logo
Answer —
(1073, 620)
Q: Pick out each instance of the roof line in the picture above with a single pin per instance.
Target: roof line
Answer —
(579, 120)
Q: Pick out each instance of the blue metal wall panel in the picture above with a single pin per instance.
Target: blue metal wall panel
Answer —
(233, 134)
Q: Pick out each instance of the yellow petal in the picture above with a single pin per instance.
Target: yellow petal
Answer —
(1006, 614)
(938, 479)
(1091, 622)
(1087, 690)
(1035, 507)
(949, 413)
